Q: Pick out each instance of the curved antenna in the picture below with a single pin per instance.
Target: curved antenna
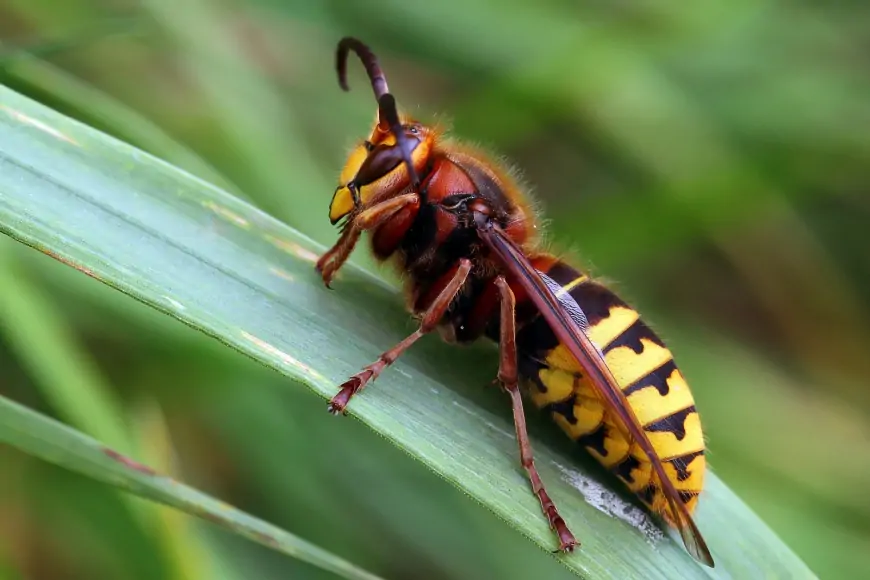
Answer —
(388, 115)
(369, 60)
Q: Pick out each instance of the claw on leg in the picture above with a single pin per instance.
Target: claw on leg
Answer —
(350, 387)
(326, 269)
(338, 403)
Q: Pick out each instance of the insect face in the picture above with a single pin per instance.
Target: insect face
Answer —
(375, 169)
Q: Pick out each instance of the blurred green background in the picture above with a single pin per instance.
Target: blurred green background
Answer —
(711, 159)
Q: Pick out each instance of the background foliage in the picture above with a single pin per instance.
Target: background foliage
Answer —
(711, 159)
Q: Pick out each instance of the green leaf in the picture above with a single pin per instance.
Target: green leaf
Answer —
(227, 269)
(51, 441)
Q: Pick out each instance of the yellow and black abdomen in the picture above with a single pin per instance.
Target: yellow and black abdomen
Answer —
(645, 370)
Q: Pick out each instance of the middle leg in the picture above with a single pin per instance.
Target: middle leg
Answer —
(430, 321)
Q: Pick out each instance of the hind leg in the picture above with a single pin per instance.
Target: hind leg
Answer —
(509, 378)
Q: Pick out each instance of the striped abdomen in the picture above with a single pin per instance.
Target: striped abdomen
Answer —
(645, 370)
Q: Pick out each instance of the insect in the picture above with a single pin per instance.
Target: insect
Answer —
(461, 232)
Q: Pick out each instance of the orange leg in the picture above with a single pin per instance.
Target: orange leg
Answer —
(334, 258)
(508, 376)
(430, 321)
(337, 255)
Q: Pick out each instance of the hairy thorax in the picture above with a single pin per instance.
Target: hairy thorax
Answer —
(426, 241)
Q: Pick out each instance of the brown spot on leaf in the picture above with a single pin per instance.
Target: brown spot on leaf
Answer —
(266, 539)
(127, 462)
(71, 264)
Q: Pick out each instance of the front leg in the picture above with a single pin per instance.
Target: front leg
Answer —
(337, 255)
(370, 218)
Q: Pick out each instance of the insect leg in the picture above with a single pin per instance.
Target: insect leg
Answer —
(334, 258)
(381, 212)
(337, 255)
(507, 374)
(430, 321)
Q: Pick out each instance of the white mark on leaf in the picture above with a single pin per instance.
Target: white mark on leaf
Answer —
(174, 303)
(282, 273)
(22, 118)
(610, 503)
(294, 249)
(227, 214)
(286, 358)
